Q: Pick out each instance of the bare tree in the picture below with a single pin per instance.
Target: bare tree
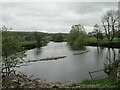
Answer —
(119, 20)
(109, 21)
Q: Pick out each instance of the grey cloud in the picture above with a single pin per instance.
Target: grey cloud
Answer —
(96, 7)
(53, 17)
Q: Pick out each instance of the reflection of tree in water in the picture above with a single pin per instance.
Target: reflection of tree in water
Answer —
(38, 51)
(119, 53)
(111, 55)
(99, 52)
(80, 47)
(114, 54)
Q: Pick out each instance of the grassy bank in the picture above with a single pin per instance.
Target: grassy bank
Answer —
(104, 42)
(31, 44)
(108, 82)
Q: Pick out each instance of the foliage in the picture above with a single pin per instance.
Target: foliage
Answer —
(28, 43)
(38, 38)
(103, 41)
(77, 36)
(12, 52)
(58, 37)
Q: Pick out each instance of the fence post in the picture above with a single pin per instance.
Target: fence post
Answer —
(90, 75)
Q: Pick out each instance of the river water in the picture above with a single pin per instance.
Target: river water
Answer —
(73, 68)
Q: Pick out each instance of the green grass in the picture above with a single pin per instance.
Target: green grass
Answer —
(106, 82)
(28, 43)
(102, 41)
(32, 44)
(109, 81)
(92, 40)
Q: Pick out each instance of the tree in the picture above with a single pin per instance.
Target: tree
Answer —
(12, 52)
(38, 38)
(77, 36)
(90, 34)
(109, 21)
(97, 32)
(119, 20)
(58, 37)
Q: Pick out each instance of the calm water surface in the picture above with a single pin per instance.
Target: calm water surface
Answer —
(73, 68)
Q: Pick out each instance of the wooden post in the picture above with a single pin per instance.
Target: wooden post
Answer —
(90, 75)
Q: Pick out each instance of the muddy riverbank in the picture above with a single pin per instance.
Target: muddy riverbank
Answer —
(22, 81)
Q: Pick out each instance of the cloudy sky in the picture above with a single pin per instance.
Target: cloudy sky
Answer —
(53, 16)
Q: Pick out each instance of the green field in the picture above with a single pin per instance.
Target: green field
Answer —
(102, 41)
(28, 43)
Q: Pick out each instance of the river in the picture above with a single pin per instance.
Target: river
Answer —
(73, 68)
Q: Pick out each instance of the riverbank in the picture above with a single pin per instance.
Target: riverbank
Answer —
(108, 82)
(22, 81)
(90, 42)
(30, 44)
(103, 43)
(110, 45)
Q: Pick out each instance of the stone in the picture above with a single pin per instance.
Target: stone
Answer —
(55, 86)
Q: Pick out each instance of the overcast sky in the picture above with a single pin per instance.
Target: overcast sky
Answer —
(53, 16)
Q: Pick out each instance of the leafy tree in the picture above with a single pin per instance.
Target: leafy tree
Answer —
(12, 52)
(77, 36)
(38, 38)
(58, 37)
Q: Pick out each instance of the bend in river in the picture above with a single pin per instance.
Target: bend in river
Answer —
(73, 68)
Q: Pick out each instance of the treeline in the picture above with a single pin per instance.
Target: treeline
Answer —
(31, 36)
(33, 39)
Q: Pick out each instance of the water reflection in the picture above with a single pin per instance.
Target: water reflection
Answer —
(73, 67)
(114, 55)
(119, 54)
(76, 47)
(111, 55)
(38, 51)
(98, 53)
